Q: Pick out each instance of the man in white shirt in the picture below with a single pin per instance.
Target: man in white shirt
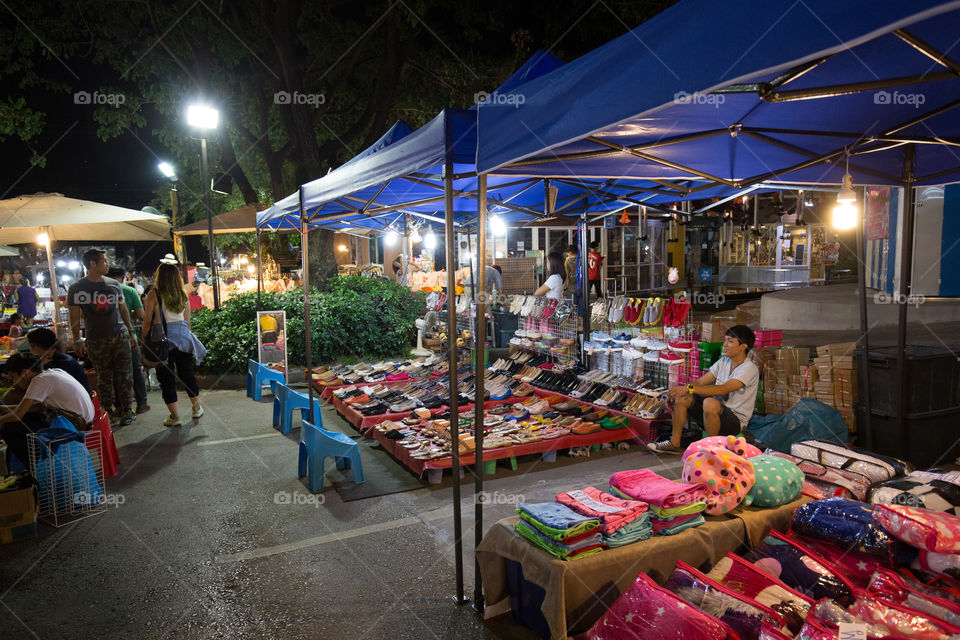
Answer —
(722, 399)
(46, 394)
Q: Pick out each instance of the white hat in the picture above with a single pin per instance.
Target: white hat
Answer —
(168, 259)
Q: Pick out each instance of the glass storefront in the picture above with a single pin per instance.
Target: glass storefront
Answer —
(771, 255)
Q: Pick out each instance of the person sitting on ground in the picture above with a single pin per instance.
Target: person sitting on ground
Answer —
(16, 326)
(722, 399)
(46, 395)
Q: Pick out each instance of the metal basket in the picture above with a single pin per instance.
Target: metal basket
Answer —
(70, 475)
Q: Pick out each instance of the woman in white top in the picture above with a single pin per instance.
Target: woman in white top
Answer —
(186, 352)
(552, 287)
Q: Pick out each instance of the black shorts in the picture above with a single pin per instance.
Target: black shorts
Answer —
(729, 422)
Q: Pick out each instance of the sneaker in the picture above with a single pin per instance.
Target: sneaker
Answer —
(172, 422)
(142, 408)
(665, 447)
(127, 417)
(198, 413)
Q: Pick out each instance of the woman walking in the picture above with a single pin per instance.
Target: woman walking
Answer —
(168, 302)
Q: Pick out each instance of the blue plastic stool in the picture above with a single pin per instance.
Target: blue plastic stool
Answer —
(259, 375)
(286, 401)
(316, 445)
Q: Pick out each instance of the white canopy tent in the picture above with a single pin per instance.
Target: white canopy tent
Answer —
(45, 218)
(24, 218)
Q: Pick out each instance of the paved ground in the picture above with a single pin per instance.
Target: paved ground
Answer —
(200, 548)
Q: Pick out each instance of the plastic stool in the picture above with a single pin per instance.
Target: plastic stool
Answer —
(490, 466)
(435, 476)
(550, 456)
(316, 445)
(286, 401)
(259, 375)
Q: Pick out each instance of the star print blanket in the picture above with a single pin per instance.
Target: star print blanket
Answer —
(648, 611)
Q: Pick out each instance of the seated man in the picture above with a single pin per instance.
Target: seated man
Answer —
(46, 394)
(43, 344)
(722, 399)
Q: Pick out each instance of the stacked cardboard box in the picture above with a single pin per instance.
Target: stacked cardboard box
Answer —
(786, 378)
(843, 379)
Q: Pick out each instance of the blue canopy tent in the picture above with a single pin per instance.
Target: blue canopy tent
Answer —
(429, 173)
(817, 89)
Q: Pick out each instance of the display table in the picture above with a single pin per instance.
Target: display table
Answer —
(576, 593)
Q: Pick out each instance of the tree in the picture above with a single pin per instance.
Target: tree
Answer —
(301, 86)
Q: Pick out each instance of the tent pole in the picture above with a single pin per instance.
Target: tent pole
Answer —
(304, 258)
(54, 284)
(906, 265)
(864, 362)
(479, 373)
(460, 598)
(259, 273)
(584, 283)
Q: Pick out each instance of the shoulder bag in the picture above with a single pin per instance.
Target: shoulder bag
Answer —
(156, 350)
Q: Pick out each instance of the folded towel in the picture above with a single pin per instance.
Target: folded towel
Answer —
(659, 512)
(645, 485)
(593, 545)
(613, 512)
(557, 516)
(675, 525)
(639, 529)
(560, 535)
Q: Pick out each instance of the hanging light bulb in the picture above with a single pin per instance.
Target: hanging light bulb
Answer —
(845, 213)
(391, 238)
(430, 240)
(498, 227)
(415, 236)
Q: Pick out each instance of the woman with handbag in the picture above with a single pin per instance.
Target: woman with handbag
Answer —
(168, 343)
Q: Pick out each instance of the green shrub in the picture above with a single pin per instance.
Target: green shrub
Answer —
(355, 316)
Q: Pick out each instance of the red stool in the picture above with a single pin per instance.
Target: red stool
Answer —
(95, 397)
(109, 456)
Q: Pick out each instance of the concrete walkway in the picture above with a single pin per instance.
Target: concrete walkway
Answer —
(200, 544)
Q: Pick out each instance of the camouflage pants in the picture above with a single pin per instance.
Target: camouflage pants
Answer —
(111, 359)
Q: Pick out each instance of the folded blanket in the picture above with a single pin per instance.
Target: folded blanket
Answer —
(558, 517)
(659, 512)
(613, 512)
(560, 535)
(675, 525)
(585, 548)
(645, 485)
(639, 529)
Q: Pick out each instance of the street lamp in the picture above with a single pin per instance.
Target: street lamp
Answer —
(167, 170)
(845, 213)
(171, 174)
(206, 119)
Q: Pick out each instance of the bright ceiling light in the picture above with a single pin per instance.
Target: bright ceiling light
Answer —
(390, 238)
(202, 116)
(845, 213)
(498, 227)
(73, 265)
(430, 240)
(43, 239)
(61, 263)
(342, 247)
(167, 169)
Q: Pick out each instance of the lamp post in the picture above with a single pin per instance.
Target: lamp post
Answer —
(170, 173)
(206, 118)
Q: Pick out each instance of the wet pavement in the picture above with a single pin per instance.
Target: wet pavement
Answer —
(209, 534)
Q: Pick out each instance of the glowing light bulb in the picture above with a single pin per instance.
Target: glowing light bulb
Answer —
(498, 227)
(430, 241)
(390, 238)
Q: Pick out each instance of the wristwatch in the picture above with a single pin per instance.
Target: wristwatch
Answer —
(690, 388)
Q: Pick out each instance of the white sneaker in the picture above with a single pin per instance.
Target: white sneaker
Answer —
(172, 422)
(198, 413)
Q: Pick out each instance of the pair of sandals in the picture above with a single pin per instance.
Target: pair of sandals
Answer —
(598, 311)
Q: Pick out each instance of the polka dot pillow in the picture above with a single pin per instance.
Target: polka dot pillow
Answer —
(777, 481)
(727, 477)
(739, 446)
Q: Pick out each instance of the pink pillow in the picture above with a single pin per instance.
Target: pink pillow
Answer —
(921, 528)
(738, 445)
(727, 477)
